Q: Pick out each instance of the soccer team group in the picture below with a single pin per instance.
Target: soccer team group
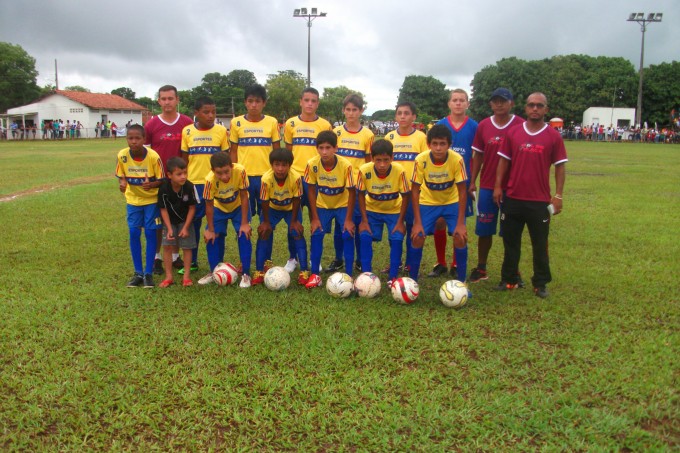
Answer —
(177, 171)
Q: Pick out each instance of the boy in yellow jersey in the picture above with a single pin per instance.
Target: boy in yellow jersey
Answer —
(280, 197)
(439, 190)
(226, 198)
(408, 142)
(140, 173)
(253, 136)
(354, 144)
(300, 136)
(199, 142)
(331, 196)
(383, 192)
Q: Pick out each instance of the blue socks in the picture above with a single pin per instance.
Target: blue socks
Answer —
(136, 249)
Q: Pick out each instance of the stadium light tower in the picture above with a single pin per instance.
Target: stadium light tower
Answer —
(309, 16)
(643, 21)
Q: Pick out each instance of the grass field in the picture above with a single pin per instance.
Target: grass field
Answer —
(86, 363)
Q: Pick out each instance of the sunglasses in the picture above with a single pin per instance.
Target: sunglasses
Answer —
(533, 105)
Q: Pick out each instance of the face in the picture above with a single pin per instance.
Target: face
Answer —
(205, 116)
(255, 105)
(404, 117)
(223, 173)
(135, 140)
(458, 103)
(536, 107)
(382, 164)
(280, 169)
(500, 106)
(309, 103)
(352, 112)
(326, 151)
(178, 176)
(439, 148)
(168, 101)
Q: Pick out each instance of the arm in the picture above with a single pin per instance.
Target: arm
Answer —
(184, 233)
(245, 206)
(209, 234)
(477, 161)
(295, 225)
(417, 221)
(560, 175)
(400, 227)
(233, 153)
(363, 226)
(460, 233)
(503, 165)
(349, 225)
(314, 222)
(166, 221)
(122, 183)
(265, 227)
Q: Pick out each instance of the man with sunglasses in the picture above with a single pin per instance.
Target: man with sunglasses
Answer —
(527, 155)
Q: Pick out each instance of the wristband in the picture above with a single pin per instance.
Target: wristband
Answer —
(559, 197)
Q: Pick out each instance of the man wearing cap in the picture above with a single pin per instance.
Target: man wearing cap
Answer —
(532, 148)
(489, 139)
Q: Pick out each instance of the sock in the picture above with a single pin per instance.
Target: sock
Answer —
(215, 251)
(292, 248)
(453, 258)
(481, 267)
(174, 257)
(197, 231)
(159, 256)
(151, 241)
(260, 254)
(417, 257)
(245, 252)
(440, 246)
(337, 242)
(409, 245)
(395, 257)
(366, 240)
(348, 251)
(301, 252)
(315, 250)
(136, 248)
(461, 260)
(357, 242)
(270, 246)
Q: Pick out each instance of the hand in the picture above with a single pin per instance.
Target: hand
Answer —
(498, 196)
(209, 236)
(184, 233)
(169, 236)
(557, 204)
(472, 190)
(349, 227)
(296, 227)
(146, 185)
(264, 230)
(364, 226)
(417, 231)
(245, 229)
(314, 225)
(460, 234)
(122, 184)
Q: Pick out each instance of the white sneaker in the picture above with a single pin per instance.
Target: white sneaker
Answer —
(208, 279)
(320, 267)
(291, 265)
(245, 281)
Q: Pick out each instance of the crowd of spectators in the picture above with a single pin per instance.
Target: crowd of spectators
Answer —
(600, 133)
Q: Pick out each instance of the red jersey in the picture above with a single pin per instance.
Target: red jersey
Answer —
(166, 138)
(531, 155)
(489, 139)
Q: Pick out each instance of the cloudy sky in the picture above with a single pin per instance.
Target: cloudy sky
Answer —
(366, 45)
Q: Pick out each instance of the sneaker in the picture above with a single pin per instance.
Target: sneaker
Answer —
(303, 278)
(313, 282)
(206, 280)
(505, 286)
(541, 291)
(478, 274)
(357, 266)
(187, 282)
(178, 264)
(336, 265)
(165, 283)
(258, 278)
(268, 265)
(193, 268)
(245, 281)
(389, 284)
(405, 269)
(520, 282)
(135, 281)
(387, 269)
(453, 272)
(158, 267)
(290, 266)
(437, 271)
(148, 281)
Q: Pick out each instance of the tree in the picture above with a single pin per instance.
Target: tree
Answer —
(124, 92)
(17, 77)
(428, 94)
(216, 86)
(661, 92)
(383, 115)
(240, 78)
(147, 102)
(330, 106)
(284, 89)
(82, 89)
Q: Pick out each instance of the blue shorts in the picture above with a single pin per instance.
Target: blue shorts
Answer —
(304, 200)
(254, 186)
(430, 214)
(487, 214)
(147, 217)
(376, 220)
(220, 219)
(200, 203)
(326, 217)
(276, 216)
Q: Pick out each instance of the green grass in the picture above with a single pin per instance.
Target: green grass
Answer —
(88, 364)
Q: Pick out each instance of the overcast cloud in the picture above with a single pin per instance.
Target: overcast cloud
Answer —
(366, 45)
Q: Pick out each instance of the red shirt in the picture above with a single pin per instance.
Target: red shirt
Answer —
(531, 156)
(164, 138)
(489, 139)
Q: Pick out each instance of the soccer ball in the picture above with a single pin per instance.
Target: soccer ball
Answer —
(339, 285)
(453, 294)
(367, 285)
(277, 279)
(405, 290)
(225, 274)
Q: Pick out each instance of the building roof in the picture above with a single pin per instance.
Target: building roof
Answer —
(101, 100)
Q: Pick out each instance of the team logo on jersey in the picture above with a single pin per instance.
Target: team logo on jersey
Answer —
(497, 140)
(531, 148)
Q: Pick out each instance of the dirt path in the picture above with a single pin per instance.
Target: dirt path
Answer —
(49, 187)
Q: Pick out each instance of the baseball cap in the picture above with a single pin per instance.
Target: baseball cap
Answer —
(501, 93)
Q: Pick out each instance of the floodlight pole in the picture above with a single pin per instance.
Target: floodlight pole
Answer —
(309, 17)
(643, 21)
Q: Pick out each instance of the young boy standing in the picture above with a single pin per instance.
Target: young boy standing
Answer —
(140, 171)
(226, 198)
(331, 196)
(280, 198)
(383, 198)
(177, 200)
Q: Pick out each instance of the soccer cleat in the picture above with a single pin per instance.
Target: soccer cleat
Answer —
(478, 274)
(313, 282)
(178, 263)
(165, 283)
(389, 284)
(193, 268)
(303, 278)
(187, 282)
(336, 265)
(290, 266)
(258, 278)
(541, 291)
(406, 269)
(505, 286)
(437, 271)
(520, 282)
(158, 267)
(387, 269)
(148, 281)
(206, 280)
(245, 281)
(357, 266)
(136, 280)
(453, 272)
(268, 265)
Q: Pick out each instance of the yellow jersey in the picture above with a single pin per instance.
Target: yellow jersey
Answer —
(330, 184)
(354, 146)
(280, 195)
(438, 181)
(135, 171)
(383, 194)
(302, 136)
(407, 147)
(199, 145)
(255, 141)
(225, 195)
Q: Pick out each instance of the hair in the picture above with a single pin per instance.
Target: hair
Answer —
(459, 90)
(220, 159)
(381, 147)
(175, 162)
(137, 127)
(281, 155)
(327, 137)
(354, 99)
(167, 88)
(439, 131)
(408, 104)
(201, 101)
(309, 90)
(257, 91)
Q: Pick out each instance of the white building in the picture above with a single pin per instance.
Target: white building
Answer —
(618, 117)
(88, 108)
